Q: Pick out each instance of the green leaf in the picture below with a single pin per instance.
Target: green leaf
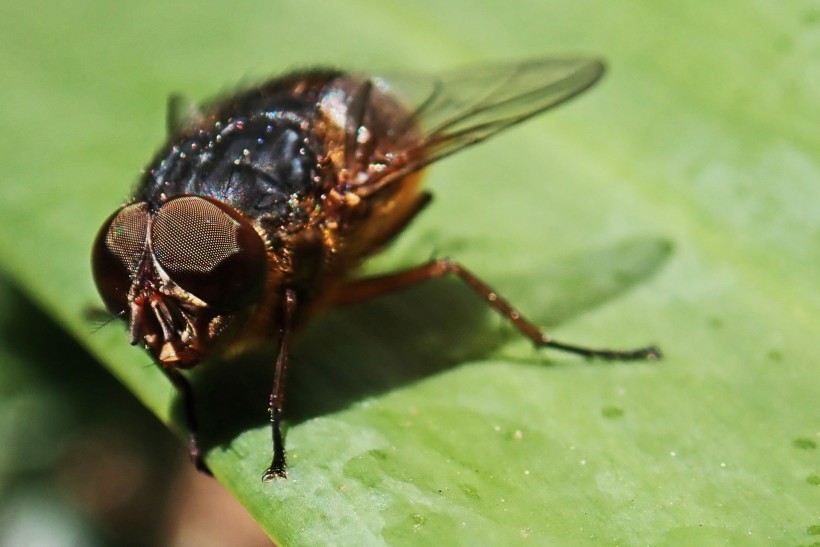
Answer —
(678, 202)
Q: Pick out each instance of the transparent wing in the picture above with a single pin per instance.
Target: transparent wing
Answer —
(457, 109)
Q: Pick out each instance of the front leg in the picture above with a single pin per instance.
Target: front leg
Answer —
(277, 467)
(187, 395)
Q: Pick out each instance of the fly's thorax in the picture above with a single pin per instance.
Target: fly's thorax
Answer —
(264, 165)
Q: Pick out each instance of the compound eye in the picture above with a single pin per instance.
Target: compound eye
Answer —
(118, 250)
(209, 250)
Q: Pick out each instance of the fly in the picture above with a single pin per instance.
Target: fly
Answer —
(258, 211)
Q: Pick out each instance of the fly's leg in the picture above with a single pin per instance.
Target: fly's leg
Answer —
(184, 389)
(277, 467)
(376, 286)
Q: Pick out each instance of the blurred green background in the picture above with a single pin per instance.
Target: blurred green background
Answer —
(677, 202)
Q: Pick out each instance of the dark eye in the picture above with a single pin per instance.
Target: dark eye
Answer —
(210, 250)
(118, 250)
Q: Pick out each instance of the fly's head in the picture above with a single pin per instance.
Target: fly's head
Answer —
(180, 273)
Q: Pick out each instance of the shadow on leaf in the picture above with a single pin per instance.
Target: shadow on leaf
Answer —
(368, 349)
